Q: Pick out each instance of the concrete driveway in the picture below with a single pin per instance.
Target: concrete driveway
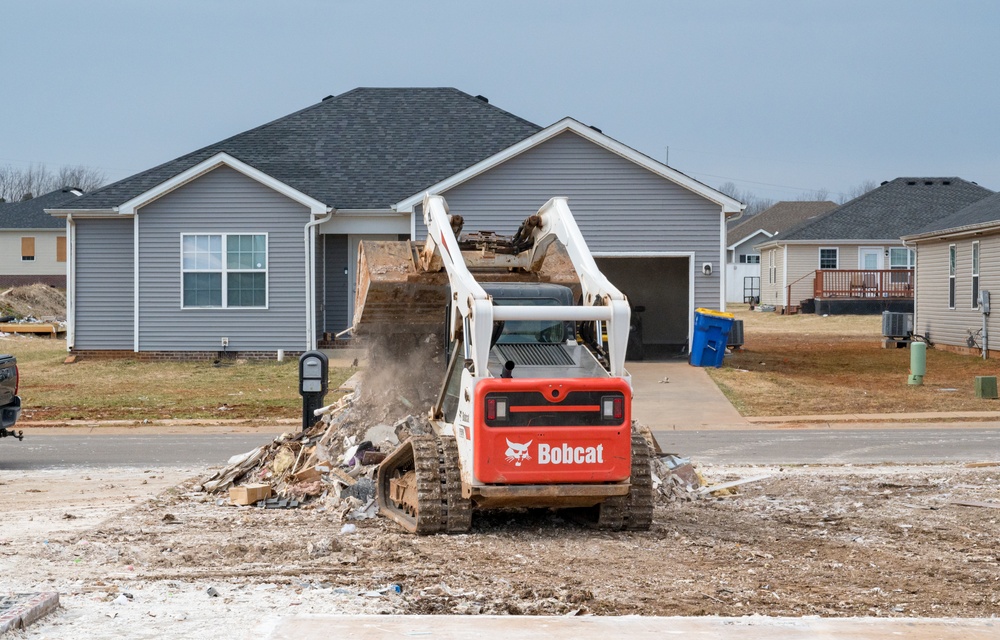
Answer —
(673, 395)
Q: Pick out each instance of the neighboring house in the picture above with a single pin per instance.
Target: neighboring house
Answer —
(851, 259)
(957, 258)
(252, 241)
(33, 243)
(742, 257)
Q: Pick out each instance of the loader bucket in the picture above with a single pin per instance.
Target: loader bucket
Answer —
(394, 297)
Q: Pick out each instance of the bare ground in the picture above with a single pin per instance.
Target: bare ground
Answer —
(830, 541)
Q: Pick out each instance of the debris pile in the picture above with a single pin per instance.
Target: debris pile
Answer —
(32, 303)
(334, 461)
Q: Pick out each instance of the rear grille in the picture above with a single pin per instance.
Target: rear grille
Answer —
(534, 355)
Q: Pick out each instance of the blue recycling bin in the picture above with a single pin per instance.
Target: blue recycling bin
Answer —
(711, 333)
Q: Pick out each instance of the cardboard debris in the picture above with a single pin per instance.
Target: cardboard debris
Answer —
(716, 488)
(249, 493)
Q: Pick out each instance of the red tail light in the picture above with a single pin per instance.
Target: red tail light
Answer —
(17, 379)
(491, 409)
(619, 410)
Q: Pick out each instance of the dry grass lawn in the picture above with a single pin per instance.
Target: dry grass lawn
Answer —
(808, 364)
(132, 390)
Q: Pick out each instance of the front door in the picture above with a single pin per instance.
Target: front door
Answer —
(870, 259)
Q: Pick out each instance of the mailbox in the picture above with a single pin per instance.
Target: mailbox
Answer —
(314, 368)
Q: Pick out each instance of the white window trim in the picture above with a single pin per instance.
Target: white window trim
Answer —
(952, 268)
(819, 257)
(910, 253)
(224, 271)
(975, 272)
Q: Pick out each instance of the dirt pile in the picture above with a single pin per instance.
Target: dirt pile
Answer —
(33, 302)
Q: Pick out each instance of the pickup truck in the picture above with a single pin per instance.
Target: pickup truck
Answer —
(10, 403)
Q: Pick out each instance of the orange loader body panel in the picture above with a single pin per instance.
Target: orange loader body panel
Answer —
(552, 431)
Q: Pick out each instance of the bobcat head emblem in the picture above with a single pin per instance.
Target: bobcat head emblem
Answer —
(517, 452)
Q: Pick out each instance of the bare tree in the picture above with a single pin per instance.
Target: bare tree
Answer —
(858, 191)
(36, 180)
(755, 204)
(815, 196)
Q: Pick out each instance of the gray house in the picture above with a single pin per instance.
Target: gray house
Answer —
(957, 258)
(249, 245)
(32, 243)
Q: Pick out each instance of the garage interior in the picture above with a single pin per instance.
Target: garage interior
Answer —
(660, 285)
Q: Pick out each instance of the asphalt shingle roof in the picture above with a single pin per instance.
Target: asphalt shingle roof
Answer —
(897, 208)
(982, 212)
(30, 214)
(781, 216)
(364, 149)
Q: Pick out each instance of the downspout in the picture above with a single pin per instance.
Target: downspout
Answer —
(309, 238)
(70, 282)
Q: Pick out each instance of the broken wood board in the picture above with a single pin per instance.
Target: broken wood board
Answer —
(734, 483)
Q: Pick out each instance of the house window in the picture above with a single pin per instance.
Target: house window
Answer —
(224, 270)
(27, 248)
(772, 270)
(975, 274)
(749, 258)
(60, 248)
(901, 258)
(828, 258)
(952, 262)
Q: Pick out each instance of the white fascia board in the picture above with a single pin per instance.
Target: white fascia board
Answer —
(129, 208)
(729, 206)
(954, 232)
(834, 242)
(82, 213)
(749, 235)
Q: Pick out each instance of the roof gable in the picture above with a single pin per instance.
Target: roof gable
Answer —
(895, 209)
(783, 215)
(728, 204)
(363, 149)
(30, 214)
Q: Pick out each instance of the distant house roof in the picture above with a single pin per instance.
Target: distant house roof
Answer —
(364, 149)
(896, 208)
(781, 216)
(978, 216)
(30, 214)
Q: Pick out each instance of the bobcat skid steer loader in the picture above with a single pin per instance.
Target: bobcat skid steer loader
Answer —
(535, 406)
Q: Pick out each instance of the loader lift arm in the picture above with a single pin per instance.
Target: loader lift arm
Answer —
(472, 307)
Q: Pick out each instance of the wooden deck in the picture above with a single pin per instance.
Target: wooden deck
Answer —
(861, 283)
(49, 329)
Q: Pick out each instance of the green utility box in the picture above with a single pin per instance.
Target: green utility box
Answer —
(986, 387)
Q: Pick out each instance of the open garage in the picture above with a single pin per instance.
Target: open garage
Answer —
(660, 285)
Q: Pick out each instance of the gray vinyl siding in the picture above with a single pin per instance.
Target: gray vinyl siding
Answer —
(221, 201)
(334, 296)
(618, 205)
(104, 292)
(932, 316)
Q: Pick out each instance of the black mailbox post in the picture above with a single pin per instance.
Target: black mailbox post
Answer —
(314, 368)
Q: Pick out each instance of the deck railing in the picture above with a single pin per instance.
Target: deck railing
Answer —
(863, 283)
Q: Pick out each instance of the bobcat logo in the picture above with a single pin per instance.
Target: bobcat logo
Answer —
(518, 452)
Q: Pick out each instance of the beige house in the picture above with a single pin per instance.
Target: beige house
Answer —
(851, 259)
(958, 259)
(33, 243)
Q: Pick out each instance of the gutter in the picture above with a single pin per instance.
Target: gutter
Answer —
(70, 282)
(309, 238)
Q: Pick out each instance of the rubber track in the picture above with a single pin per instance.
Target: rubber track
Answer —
(426, 463)
(457, 510)
(639, 501)
(634, 511)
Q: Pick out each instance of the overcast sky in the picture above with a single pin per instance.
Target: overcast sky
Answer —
(781, 98)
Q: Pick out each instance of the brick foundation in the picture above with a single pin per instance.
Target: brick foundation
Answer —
(180, 356)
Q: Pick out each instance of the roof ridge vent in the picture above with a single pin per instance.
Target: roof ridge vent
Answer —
(946, 182)
(911, 182)
(928, 182)
(596, 129)
(483, 98)
(327, 98)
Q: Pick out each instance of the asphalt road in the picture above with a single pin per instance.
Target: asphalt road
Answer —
(147, 451)
(717, 447)
(835, 446)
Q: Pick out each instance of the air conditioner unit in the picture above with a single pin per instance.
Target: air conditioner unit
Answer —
(897, 324)
(735, 339)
